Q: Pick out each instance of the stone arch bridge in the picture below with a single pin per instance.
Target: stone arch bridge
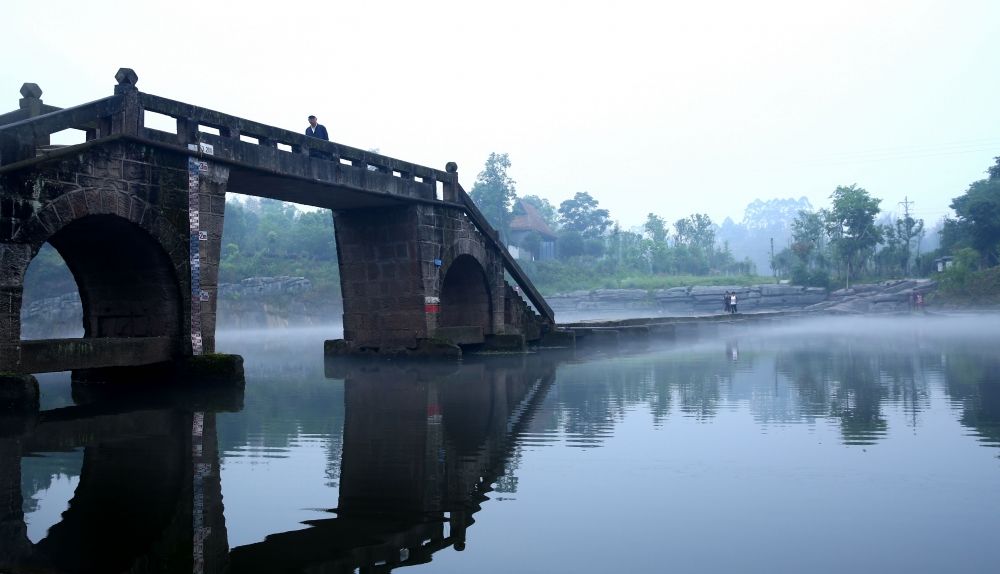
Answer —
(137, 214)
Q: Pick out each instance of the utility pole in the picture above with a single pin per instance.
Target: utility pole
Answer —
(906, 223)
(774, 270)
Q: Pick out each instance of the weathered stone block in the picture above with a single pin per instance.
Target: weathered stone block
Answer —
(50, 220)
(109, 201)
(136, 172)
(88, 182)
(402, 321)
(93, 198)
(122, 205)
(10, 299)
(218, 205)
(14, 259)
(63, 208)
(136, 208)
(507, 343)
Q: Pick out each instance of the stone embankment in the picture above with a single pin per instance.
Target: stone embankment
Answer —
(889, 296)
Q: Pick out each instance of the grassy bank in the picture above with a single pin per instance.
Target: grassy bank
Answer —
(551, 277)
(960, 287)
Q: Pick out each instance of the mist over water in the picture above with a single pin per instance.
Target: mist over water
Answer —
(825, 444)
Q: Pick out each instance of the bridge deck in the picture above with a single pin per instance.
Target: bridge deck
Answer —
(264, 161)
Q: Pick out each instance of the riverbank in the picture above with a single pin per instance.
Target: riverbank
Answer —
(608, 304)
(287, 302)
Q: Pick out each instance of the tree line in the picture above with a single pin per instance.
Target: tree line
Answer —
(832, 247)
(589, 241)
(829, 247)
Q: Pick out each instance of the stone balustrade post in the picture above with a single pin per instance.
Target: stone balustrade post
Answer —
(31, 101)
(129, 120)
(450, 186)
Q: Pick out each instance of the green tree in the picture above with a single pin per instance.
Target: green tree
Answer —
(909, 231)
(263, 237)
(582, 215)
(656, 228)
(696, 231)
(494, 192)
(891, 258)
(807, 257)
(978, 217)
(569, 243)
(994, 170)
(657, 250)
(851, 225)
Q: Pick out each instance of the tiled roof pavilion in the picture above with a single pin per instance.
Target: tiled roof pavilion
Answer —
(529, 219)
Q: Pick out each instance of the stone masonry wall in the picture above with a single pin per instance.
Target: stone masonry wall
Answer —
(445, 234)
(380, 276)
(392, 265)
(145, 189)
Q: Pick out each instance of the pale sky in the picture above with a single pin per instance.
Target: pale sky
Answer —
(666, 107)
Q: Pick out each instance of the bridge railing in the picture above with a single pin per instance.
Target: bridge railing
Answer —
(252, 143)
(233, 131)
(192, 122)
(20, 140)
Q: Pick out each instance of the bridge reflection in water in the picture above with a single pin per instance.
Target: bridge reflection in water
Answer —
(422, 447)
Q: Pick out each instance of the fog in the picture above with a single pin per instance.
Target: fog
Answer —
(887, 330)
(633, 102)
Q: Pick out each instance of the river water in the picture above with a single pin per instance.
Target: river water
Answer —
(862, 445)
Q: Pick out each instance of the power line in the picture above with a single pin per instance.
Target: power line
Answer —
(906, 205)
(906, 152)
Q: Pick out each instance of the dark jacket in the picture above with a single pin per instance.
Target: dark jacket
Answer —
(319, 132)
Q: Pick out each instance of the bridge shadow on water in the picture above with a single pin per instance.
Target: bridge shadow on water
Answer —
(416, 448)
(423, 445)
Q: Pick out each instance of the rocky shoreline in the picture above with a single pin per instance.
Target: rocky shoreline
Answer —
(886, 297)
(253, 303)
(274, 302)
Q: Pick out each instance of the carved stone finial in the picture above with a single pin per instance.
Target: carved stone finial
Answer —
(31, 91)
(126, 77)
(451, 167)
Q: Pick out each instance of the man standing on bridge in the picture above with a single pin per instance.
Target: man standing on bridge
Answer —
(316, 130)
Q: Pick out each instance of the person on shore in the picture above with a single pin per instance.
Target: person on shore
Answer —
(725, 302)
(732, 303)
(317, 130)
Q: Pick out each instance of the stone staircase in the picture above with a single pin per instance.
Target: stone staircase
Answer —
(520, 315)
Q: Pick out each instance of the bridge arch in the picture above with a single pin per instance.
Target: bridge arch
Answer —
(466, 299)
(127, 261)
